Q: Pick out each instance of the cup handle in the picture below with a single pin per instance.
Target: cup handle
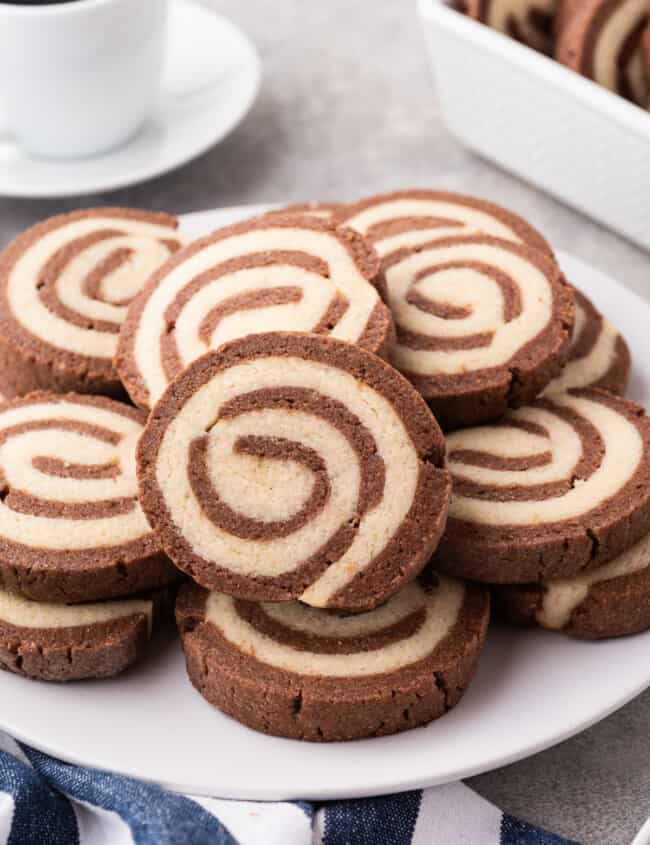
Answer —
(191, 73)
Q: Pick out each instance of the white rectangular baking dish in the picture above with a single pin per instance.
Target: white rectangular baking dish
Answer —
(547, 124)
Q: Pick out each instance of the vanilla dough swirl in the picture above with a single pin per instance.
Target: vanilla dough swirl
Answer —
(67, 642)
(609, 601)
(319, 675)
(401, 219)
(598, 354)
(556, 488)
(71, 525)
(272, 273)
(296, 638)
(482, 311)
(294, 466)
(482, 323)
(65, 286)
(320, 210)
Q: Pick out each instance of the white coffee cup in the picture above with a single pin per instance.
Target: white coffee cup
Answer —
(79, 77)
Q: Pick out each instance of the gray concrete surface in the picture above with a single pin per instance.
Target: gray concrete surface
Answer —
(348, 108)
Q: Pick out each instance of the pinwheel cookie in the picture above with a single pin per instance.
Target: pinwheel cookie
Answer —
(291, 465)
(610, 601)
(65, 285)
(403, 219)
(483, 324)
(529, 21)
(483, 320)
(296, 671)
(59, 642)
(321, 210)
(598, 354)
(272, 273)
(602, 40)
(555, 489)
(71, 526)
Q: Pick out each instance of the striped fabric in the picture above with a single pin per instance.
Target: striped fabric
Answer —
(46, 802)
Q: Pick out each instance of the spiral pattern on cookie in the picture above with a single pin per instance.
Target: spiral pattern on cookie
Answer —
(602, 39)
(319, 210)
(71, 525)
(289, 465)
(610, 601)
(279, 273)
(404, 219)
(598, 354)
(65, 642)
(307, 641)
(528, 21)
(555, 488)
(308, 666)
(65, 288)
(482, 323)
(20, 612)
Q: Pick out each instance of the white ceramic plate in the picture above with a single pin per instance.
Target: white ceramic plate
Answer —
(211, 78)
(532, 689)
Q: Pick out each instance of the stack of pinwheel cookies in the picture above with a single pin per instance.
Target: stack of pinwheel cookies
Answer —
(608, 41)
(294, 374)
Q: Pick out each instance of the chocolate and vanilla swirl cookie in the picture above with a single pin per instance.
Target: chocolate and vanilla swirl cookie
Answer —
(65, 285)
(400, 219)
(293, 273)
(291, 465)
(483, 324)
(321, 210)
(482, 310)
(610, 601)
(602, 40)
(556, 488)
(598, 354)
(67, 642)
(528, 21)
(295, 671)
(71, 526)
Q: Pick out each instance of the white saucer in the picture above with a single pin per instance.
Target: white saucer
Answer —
(532, 689)
(211, 77)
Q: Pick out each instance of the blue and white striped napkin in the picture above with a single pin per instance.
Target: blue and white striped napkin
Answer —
(46, 802)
